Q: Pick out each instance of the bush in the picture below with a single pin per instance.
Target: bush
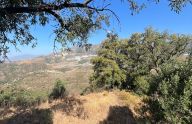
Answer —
(19, 98)
(87, 90)
(141, 85)
(172, 93)
(59, 91)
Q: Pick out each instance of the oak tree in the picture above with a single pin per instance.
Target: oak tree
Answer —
(129, 62)
(74, 19)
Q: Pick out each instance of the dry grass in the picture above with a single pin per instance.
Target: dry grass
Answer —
(2, 76)
(117, 107)
(95, 107)
(132, 101)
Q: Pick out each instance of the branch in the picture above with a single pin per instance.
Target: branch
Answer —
(42, 8)
(50, 8)
(87, 2)
(58, 17)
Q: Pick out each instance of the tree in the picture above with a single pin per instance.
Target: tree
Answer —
(107, 74)
(171, 99)
(74, 21)
(137, 58)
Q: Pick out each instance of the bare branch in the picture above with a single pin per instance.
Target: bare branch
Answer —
(87, 2)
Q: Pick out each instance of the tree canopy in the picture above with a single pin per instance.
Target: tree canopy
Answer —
(74, 20)
(124, 63)
(155, 64)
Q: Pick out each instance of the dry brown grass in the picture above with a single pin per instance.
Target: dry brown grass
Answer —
(97, 107)
(117, 107)
(132, 101)
(2, 76)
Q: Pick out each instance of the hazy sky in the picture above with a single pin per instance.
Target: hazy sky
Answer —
(158, 16)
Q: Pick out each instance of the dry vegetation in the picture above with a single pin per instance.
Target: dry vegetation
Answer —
(117, 107)
(41, 73)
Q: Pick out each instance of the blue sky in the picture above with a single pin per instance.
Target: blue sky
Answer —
(159, 16)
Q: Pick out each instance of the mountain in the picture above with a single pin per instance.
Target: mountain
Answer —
(22, 57)
(36, 73)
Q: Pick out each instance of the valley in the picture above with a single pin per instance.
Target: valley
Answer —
(41, 72)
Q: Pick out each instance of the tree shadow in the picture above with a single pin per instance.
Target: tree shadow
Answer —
(71, 106)
(5, 111)
(34, 116)
(151, 112)
(119, 115)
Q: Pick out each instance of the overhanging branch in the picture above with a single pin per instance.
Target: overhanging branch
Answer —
(58, 17)
(44, 7)
(51, 8)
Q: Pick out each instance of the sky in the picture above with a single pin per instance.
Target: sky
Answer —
(159, 16)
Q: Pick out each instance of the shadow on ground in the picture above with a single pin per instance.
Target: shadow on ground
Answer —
(119, 115)
(34, 116)
(71, 107)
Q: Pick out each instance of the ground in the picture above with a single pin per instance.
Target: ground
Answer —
(115, 107)
(38, 77)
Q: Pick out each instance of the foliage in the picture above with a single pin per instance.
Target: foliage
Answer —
(74, 21)
(129, 63)
(107, 74)
(149, 64)
(171, 99)
(19, 98)
(59, 90)
(141, 85)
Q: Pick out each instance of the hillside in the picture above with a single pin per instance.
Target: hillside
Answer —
(117, 107)
(41, 72)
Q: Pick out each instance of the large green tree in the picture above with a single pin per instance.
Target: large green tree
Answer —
(148, 63)
(74, 19)
(136, 58)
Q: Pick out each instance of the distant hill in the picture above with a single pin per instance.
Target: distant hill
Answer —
(22, 57)
(37, 73)
(93, 50)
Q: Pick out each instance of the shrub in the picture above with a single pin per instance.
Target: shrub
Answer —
(59, 90)
(141, 85)
(172, 93)
(19, 98)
